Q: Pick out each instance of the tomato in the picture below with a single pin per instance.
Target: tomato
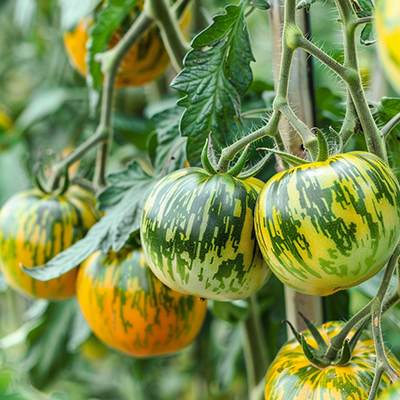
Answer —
(391, 393)
(145, 62)
(388, 30)
(35, 227)
(331, 225)
(130, 310)
(292, 377)
(198, 234)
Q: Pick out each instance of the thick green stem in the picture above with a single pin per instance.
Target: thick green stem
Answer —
(271, 129)
(254, 346)
(377, 301)
(350, 121)
(373, 136)
(309, 140)
(390, 125)
(110, 60)
(173, 39)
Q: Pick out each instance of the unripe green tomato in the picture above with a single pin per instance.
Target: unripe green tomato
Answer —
(198, 234)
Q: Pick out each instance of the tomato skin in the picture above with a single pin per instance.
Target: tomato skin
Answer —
(145, 61)
(198, 235)
(391, 393)
(130, 310)
(292, 377)
(388, 30)
(330, 225)
(35, 227)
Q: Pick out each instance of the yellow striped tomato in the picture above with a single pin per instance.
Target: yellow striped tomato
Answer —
(130, 310)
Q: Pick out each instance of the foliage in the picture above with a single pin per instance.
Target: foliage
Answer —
(227, 87)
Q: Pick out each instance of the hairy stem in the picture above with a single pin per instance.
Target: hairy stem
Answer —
(377, 301)
(373, 136)
(173, 39)
(390, 125)
(254, 346)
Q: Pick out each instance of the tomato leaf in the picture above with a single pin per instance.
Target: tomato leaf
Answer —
(122, 201)
(260, 4)
(170, 152)
(214, 79)
(365, 8)
(106, 22)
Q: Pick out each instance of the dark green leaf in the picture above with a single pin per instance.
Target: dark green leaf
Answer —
(260, 4)
(123, 201)
(170, 151)
(213, 80)
(305, 4)
(368, 35)
(364, 8)
(106, 22)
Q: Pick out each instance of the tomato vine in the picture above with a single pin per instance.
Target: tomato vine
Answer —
(212, 75)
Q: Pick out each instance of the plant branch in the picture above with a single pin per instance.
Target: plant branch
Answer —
(390, 125)
(254, 346)
(337, 341)
(350, 121)
(309, 140)
(173, 39)
(373, 136)
(365, 20)
(110, 60)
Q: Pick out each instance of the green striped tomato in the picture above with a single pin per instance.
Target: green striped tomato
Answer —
(35, 227)
(391, 393)
(130, 310)
(331, 225)
(198, 235)
(292, 377)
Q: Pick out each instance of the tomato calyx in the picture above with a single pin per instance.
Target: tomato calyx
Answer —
(60, 186)
(325, 355)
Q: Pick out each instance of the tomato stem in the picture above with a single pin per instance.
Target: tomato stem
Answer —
(373, 136)
(173, 39)
(254, 346)
(366, 312)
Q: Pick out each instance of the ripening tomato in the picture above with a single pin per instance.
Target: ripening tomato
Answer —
(35, 227)
(330, 225)
(145, 62)
(130, 310)
(292, 377)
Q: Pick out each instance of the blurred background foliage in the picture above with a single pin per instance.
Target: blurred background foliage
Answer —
(47, 350)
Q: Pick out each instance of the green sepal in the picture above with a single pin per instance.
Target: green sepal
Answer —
(289, 158)
(37, 180)
(357, 334)
(323, 149)
(335, 142)
(322, 346)
(238, 167)
(311, 356)
(255, 169)
(208, 167)
(64, 187)
(346, 353)
(211, 152)
(296, 334)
